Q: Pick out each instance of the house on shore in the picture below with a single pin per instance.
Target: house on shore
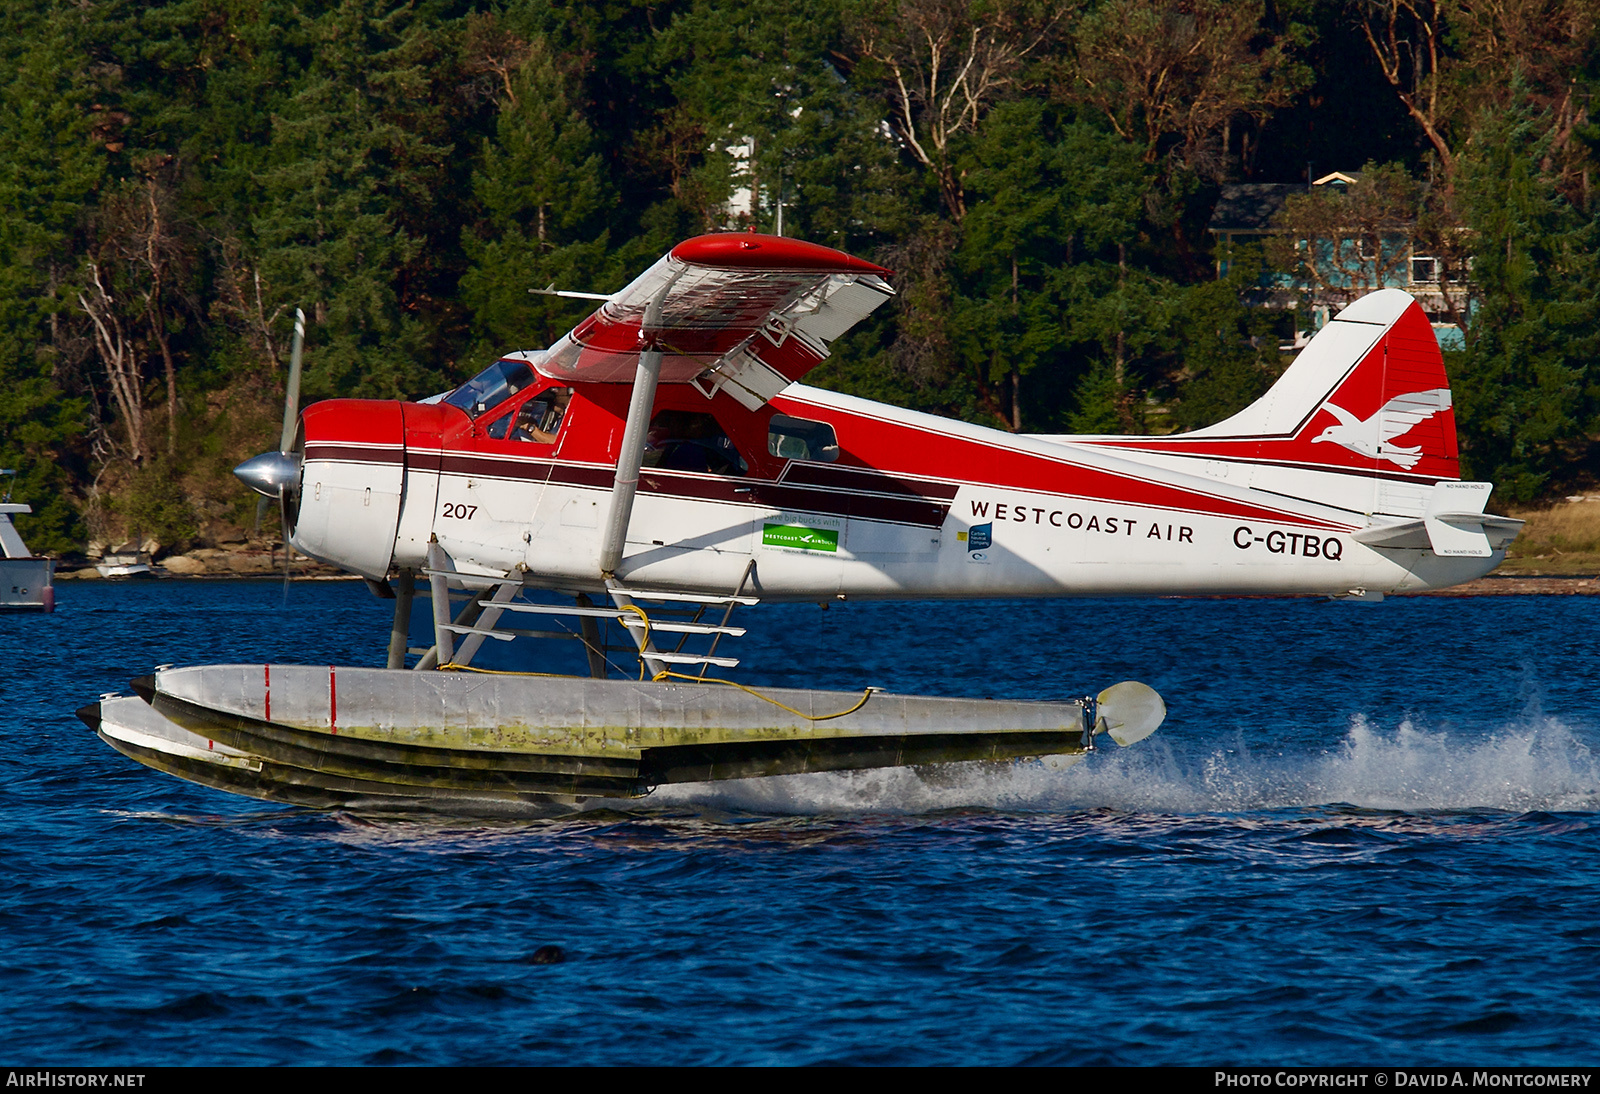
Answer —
(1324, 254)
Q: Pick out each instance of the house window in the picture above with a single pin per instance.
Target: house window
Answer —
(1424, 270)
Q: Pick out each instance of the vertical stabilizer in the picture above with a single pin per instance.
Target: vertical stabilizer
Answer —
(1362, 420)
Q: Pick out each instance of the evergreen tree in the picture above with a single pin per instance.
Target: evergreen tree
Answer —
(348, 164)
(1528, 387)
(545, 194)
(53, 150)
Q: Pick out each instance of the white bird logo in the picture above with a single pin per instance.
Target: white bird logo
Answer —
(1396, 418)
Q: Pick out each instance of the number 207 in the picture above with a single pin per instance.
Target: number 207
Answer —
(463, 511)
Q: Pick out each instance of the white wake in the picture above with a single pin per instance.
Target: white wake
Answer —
(1536, 764)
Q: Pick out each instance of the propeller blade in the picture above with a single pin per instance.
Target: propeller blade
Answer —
(291, 419)
(1130, 712)
(291, 394)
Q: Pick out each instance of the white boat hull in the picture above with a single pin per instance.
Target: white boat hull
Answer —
(27, 585)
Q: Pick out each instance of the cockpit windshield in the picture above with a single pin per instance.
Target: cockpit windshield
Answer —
(491, 387)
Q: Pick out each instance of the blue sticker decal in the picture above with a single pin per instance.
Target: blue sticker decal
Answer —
(980, 537)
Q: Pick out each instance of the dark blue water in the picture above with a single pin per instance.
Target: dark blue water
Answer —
(1367, 834)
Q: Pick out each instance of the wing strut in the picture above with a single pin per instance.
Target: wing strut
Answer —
(634, 434)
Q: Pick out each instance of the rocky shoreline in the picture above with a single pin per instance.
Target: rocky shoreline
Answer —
(1523, 585)
(244, 560)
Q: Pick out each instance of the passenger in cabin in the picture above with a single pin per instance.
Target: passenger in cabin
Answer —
(799, 439)
(683, 440)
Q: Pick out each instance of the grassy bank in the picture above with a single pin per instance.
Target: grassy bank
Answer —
(1563, 538)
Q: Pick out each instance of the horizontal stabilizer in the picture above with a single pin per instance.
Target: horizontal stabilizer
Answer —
(1454, 519)
(1453, 525)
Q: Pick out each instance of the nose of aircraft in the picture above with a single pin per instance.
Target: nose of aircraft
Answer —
(271, 473)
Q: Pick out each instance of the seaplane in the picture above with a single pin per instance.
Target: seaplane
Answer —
(663, 466)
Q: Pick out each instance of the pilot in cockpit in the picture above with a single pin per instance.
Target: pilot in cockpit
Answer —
(539, 420)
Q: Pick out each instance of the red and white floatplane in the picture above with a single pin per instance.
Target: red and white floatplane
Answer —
(662, 466)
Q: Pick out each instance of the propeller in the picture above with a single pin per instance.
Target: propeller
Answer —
(277, 474)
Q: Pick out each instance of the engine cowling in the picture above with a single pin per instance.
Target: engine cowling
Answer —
(342, 484)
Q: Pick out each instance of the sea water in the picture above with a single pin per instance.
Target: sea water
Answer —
(1367, 834)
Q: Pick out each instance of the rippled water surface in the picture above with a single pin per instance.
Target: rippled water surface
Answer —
(1367, 834)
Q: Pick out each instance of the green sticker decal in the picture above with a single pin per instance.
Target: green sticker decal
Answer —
(800, 537)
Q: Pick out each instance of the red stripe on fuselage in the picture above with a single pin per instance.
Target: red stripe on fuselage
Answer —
(354, 453)
(906, 472)
(886, 446)
(1013, 470)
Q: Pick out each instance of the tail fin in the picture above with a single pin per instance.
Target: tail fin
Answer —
(1362, 419)
(1370, 389)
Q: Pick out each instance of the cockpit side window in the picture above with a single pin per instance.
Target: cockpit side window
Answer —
(491, 387)
(801, 439)
(683, 440)
(537, 420)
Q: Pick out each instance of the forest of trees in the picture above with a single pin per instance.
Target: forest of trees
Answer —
(176, 178)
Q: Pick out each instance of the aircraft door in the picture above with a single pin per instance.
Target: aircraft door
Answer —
(693, 510)
(489, 496)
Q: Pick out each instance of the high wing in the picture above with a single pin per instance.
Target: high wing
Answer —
(744, 313)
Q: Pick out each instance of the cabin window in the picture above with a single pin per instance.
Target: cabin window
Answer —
(491, 387)
(537, 420)
(799, 439)
(684, 440)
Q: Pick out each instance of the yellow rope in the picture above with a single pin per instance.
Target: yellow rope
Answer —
(451, 665)
(797, 713)
(644, 639)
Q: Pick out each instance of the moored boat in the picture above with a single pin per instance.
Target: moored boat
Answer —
(27, 581)
(125, 565)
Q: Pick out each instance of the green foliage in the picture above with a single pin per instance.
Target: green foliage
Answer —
(347, 161)
(1101, 403)
(750, 71)
(50, 167)
(1229, 353)
(1528, 384)
(154, 505)
(406, 171)
(1034, 184)
(544, 191)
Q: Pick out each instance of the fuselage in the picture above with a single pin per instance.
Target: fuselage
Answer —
(900, 504)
